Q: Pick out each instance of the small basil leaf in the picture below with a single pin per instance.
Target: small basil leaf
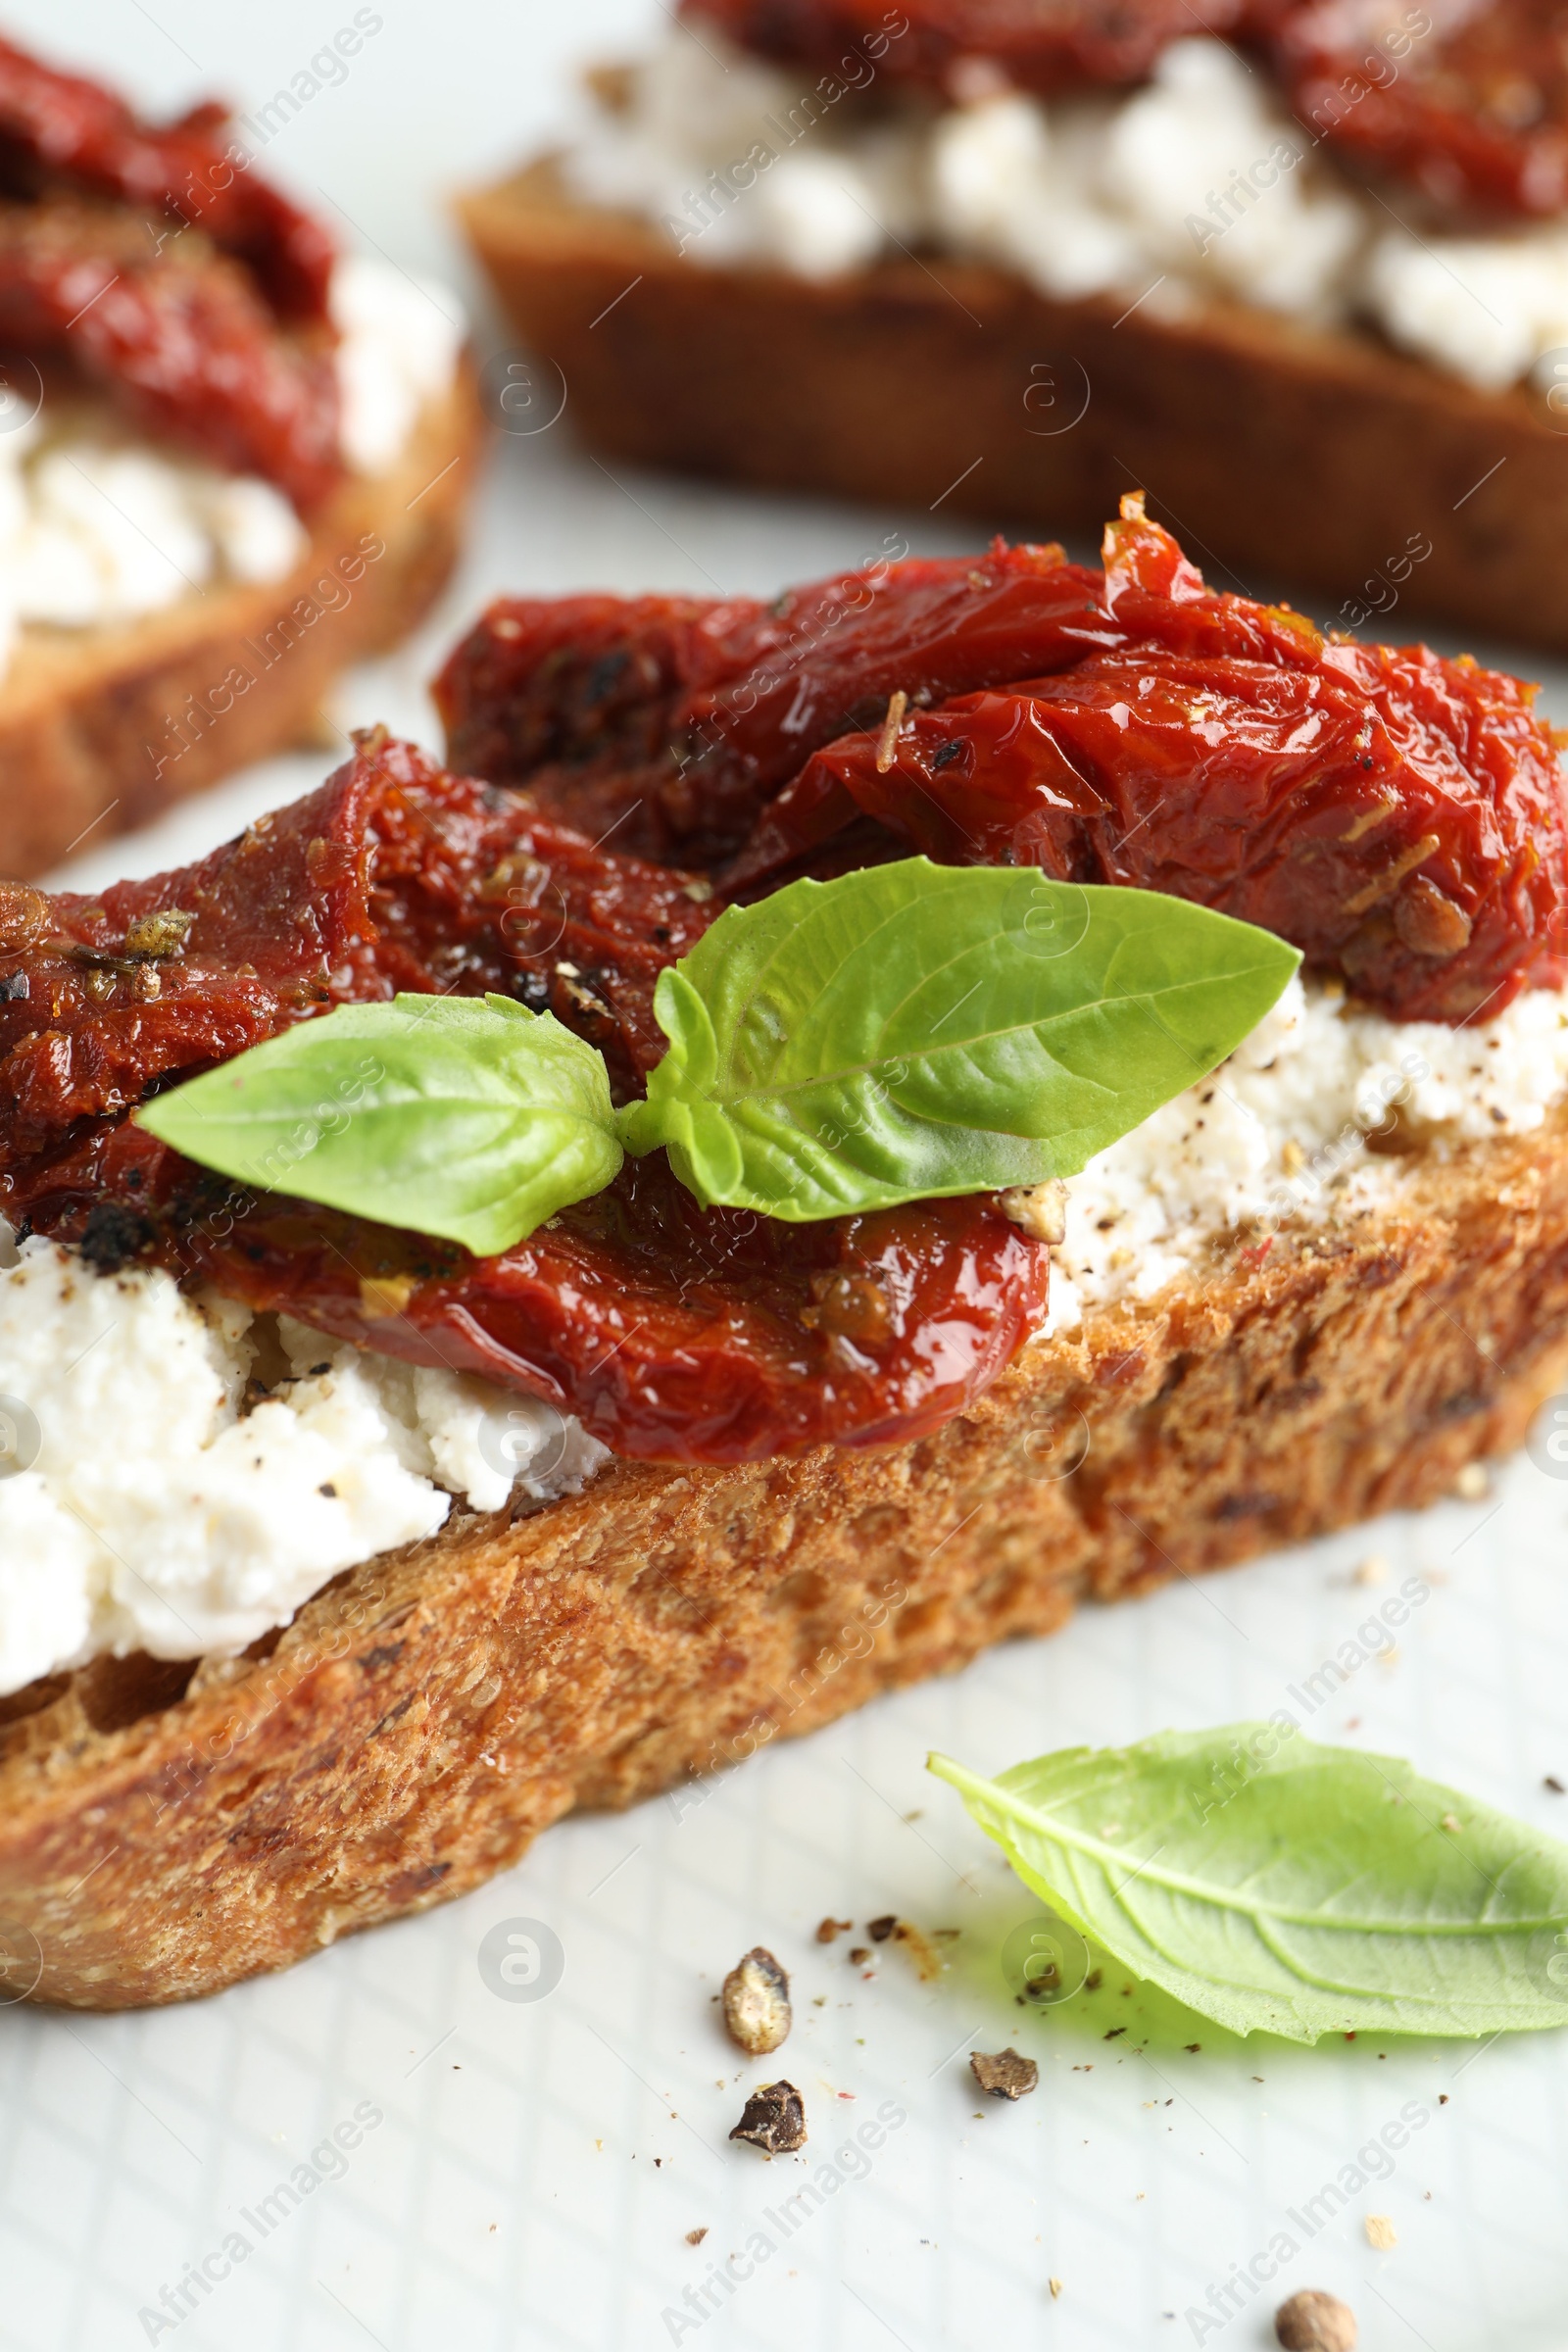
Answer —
(1284, 1888)
(915, 1030)
(473, 1120)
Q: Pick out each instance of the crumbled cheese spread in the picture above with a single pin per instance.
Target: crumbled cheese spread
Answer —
(151, 1500)
(98, 527)
(1197, 185)
(1492, 309)
(1278, 1135)
(400, 341)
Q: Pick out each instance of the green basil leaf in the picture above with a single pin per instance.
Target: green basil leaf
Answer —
(915, 1029)
(467, 1118)
(1284, 1888)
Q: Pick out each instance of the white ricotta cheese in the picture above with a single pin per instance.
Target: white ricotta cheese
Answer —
(1193, 180)
(1197, 185)
(743, 163)
(400, 340)
(1278, 1133)
(98, 529)
(1488, 309)
(143, 1506)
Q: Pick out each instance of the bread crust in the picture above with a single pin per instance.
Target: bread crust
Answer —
(1280, 453)
(165, 1832)
(101, 730)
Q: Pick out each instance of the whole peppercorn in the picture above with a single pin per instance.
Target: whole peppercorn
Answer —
(774, 2119)
(757, 2002)
(1005, 2075)
(1314, 2322)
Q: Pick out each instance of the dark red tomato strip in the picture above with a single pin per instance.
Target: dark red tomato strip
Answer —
(1058, 47)
(61, 131)
(1399, 819)
(672, 1332)
(1465, 99)
(181, 339)
(542, 680)
(576, 697)
(681, 722)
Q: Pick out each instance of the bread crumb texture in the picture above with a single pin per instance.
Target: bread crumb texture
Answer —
(165, 1829)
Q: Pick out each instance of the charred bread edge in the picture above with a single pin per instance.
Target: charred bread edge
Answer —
(102, 730)
(1280, 453)
(165, 1832)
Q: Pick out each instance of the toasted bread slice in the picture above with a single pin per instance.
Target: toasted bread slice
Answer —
(102, 729)
(1284, 453)
(166, 1831)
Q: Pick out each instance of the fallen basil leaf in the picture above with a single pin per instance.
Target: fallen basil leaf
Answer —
(1285, 1888)
(471, 1120)
(915, 1030)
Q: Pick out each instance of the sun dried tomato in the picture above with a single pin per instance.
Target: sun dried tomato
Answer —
(161, 267)
(181, 339)
(680, 722)
(61, 131)
(1059, 47)
(1467, 99)
(393, 876)
(673, 1332)
(1398, 816)
(576, 697)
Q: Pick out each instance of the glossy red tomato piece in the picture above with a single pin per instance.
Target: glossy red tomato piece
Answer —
(1400, 817)
(1465, 99)
(180, 339)
(60, 131)
(393, 876)
(676, 724)
(159, 266)
(672, 1332)
(1057, 47)
(575, 697)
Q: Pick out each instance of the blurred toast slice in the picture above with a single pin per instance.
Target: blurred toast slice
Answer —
(169, 1828)
(102, 729)
(1284, 455)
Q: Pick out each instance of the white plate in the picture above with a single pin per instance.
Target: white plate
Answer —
(537, 2163)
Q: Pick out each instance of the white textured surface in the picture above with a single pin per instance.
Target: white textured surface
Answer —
(129, 2145)
(514, 2198)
